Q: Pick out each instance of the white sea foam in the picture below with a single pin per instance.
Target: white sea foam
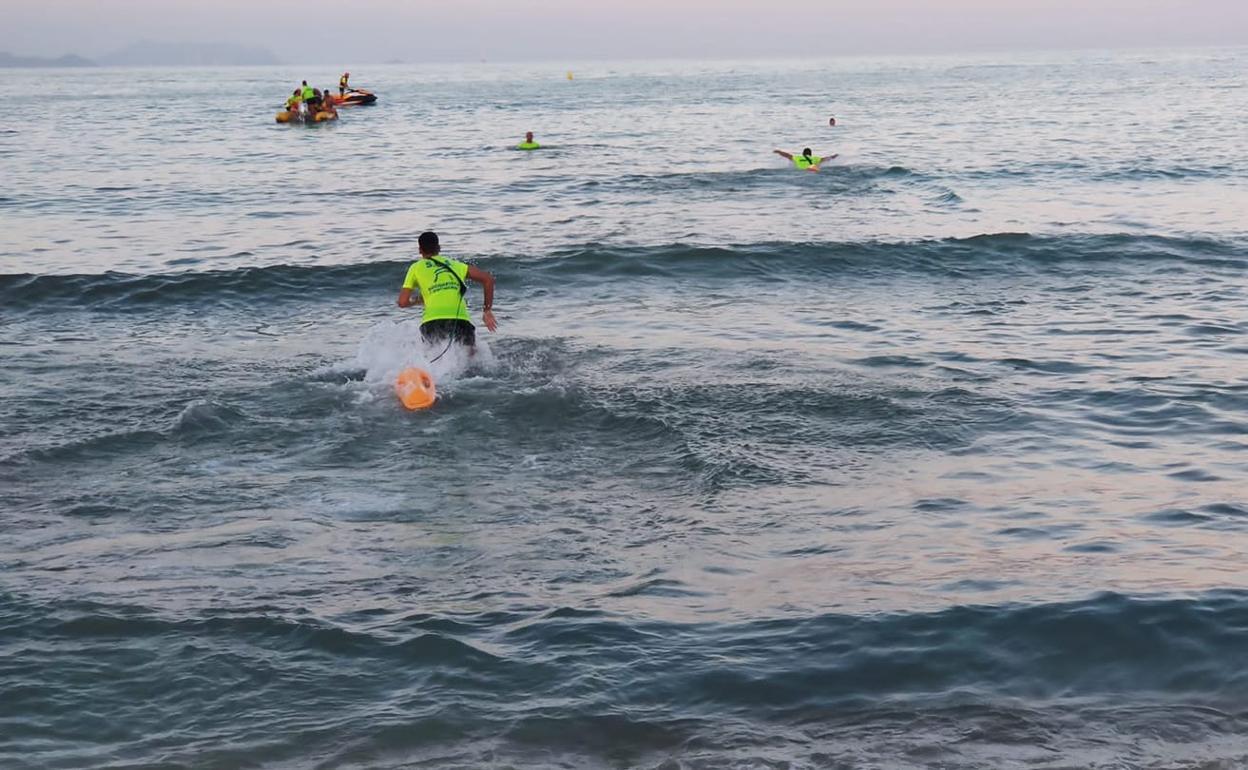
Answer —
(389, 347)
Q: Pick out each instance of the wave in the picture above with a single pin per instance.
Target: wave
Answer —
(1176, 173)
(200, 419)
(780, 176)
(1087, 170)
(122, 290)
(987, 254)
(1156, 675)
(1109, 643)
(123, 200)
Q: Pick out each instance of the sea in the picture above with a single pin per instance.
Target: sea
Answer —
(936, 459)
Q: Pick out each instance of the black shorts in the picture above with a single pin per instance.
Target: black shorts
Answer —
(449, 329)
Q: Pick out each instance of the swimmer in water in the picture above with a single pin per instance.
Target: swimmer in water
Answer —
(528, 143)
(806, 161)
(327, 103)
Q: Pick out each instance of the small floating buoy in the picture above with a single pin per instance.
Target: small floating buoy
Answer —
(415, 388)
(569, 74)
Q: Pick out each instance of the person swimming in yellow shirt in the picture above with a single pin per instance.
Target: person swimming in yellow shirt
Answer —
(442, 290)
(806, 161)
(528, 143)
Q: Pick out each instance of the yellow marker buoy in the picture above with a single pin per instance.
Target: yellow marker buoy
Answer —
(415, 388)
(569, 74)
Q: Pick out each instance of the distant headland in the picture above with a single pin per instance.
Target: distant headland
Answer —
(9, 60)
(149, 54)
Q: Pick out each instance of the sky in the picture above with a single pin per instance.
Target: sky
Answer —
(371, 31)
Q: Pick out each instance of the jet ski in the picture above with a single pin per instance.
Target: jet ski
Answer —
(354, 97)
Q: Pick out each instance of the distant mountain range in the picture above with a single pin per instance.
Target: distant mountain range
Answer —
(148, 54)
(9, 60)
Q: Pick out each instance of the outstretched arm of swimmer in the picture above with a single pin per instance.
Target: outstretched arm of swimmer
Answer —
(783, 154)
(487, 283)
(407, 300)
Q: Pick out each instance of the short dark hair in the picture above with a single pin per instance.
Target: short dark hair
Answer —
(806, 151)
(428, 241)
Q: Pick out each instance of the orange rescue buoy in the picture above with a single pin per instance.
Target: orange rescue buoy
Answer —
(415, 388)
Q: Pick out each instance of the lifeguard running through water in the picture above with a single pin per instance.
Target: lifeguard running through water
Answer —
(443, 290)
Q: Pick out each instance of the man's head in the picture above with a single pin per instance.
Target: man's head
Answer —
(806, 152)
(428, 243)
(528, 136)
(305, 82)
(296, 92)
(831, 121)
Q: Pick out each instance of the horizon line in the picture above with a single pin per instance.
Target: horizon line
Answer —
(760, 57)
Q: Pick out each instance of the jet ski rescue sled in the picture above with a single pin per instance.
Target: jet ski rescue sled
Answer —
(294, 116)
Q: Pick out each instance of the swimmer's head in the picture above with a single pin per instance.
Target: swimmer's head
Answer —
(831, 121)
(806, 152)
(428, 243)
(528, 136)
(305, 82)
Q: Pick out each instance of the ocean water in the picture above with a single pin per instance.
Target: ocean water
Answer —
(936, 459)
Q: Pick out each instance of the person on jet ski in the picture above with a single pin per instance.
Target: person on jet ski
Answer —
(342, 83)
(292, 103)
